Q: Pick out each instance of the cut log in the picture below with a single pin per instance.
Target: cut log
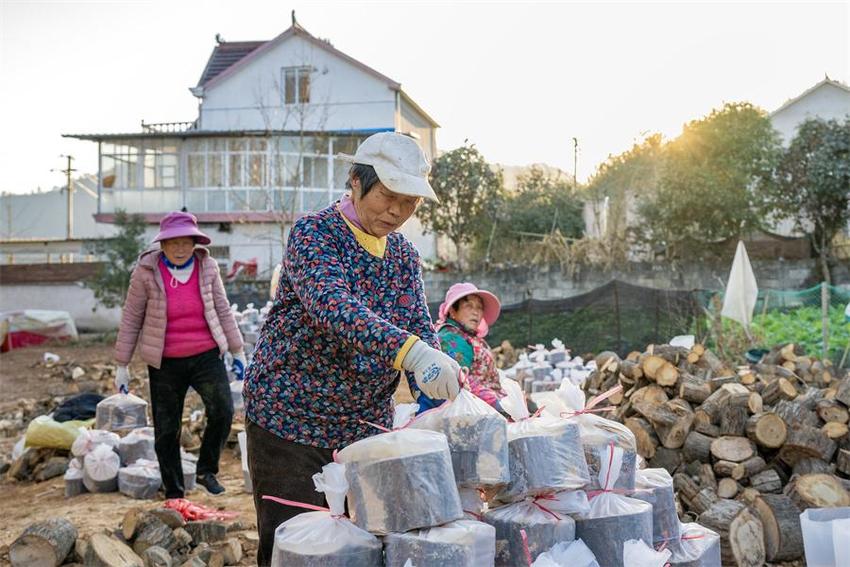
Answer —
(735, 449)
(667, 375)
(835, 430)
(154, 533)
(703, 424)
(767, 430)
(779, 389)
(766, 482)
(842, 393)
(693, 389)
(811, 466)
(156, 557)
(817, 491)
(651, 395)
(132, 522)
(755, 404)
(693, 358)
(698, 349)
(718, 381)
(733, 420)
(231, 551)
(631, 370)
(832, 411)
(728, 488)
(751, 466)
(804, 441)
(796, 414)
(172, 518)
(741, 533)
(671, 421)
(727, 395)
(665, 458)
(651, 364)
(697, 447)
(704, 500)
(707, 478)
(783, 536)
(647, 441)
(717, 367)
(729, 469)
(787, 353)
(207, 531)
(685, 487)
(45, 543)
(106, 551)
(842, 461)
(747, 378)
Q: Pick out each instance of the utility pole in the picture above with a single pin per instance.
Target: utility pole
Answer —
(69, 188)
(575, 164)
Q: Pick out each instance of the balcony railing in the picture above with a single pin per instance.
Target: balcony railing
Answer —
(168, 127)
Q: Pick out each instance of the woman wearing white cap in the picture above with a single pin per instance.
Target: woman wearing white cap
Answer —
(349, 314)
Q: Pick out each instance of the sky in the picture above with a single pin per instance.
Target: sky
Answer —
(519, 80)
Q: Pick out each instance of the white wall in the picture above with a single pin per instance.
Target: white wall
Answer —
(73, 298)
(342, 96)
(827, 102)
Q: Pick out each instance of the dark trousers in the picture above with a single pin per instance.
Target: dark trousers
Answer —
(283, 469)
(205, 373)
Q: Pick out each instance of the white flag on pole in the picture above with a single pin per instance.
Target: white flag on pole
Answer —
(741, 290)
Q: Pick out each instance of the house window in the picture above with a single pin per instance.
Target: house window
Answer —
(296, 85)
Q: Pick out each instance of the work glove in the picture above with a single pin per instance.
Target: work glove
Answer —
(239, 364)
(435, 373)
(122, 380)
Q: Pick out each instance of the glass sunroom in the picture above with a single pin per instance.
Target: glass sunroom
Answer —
(221, 172)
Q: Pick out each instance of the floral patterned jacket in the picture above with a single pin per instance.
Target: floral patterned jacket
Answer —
(472, 352)
(344, 316)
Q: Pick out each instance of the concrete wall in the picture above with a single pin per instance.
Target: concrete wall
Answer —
(70, 297)
(517, 284)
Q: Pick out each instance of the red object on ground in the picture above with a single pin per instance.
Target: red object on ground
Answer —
(192, 512)
(21, 339)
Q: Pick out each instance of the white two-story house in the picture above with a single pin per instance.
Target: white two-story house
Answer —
(272, 114)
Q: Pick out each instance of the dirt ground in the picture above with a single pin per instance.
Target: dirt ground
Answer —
(23, 374)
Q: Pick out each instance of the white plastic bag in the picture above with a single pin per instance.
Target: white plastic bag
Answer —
(637, 554)
(698, 546)
(656, 487)
(568, 502)
(91, 438)
(568, 402)
(841, 541)
(613, 518)
(74, 478)
(567, 554)
(138, 444)
(461, 543)
(477, 437)
(190, 473)
(121, 412)
(140, 480)
(383, 472)
(242, 437)
(545, 452)
(100, 469)
(543, 529)
(319, 539)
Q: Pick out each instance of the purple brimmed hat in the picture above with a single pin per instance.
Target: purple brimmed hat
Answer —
(178, 224)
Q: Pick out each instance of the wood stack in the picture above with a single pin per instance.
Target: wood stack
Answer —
(749, 447)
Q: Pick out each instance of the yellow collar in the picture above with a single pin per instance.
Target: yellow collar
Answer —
(372, 244)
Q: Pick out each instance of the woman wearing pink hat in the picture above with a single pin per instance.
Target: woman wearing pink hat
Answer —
(177, 312)
(464, 320)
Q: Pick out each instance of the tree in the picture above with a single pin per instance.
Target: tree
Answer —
(544, 203)
(467, 188)
(119, 254)
(711, 182)
(811, 184)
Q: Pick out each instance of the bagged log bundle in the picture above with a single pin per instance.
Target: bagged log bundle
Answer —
(100, 469)
(190, 474)
(457, 544)
(140, 480)
(613, 519)
(597, 433)
(698, 546)
(545, 452)
(385, 470)
(655, 486)
(543, 528)
(74, 478)
(325, 538)
(91, 438)
(138, 444)
(121, 412)
(567, 554)
(472, 503)
(477, 437)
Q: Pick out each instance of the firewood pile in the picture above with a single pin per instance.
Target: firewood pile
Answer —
(153, 536)
(749, 448)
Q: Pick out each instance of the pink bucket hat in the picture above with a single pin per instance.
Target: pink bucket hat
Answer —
(177, 224)
(458, 291)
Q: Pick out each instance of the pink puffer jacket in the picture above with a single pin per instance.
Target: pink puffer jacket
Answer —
(144, 317)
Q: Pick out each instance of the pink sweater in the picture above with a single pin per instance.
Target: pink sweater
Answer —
(186, 331)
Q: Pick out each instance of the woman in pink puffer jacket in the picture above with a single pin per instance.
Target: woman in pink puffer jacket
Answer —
(178, 314)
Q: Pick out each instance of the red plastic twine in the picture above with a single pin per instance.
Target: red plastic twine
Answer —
(589, 407)
(545, 509)
(525, 547)
(192, 512)
(303, 505)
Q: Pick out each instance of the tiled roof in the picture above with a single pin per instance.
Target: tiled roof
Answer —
(224, 55)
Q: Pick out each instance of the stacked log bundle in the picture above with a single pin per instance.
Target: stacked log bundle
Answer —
(542, 530)
(456, 544)
(748, 447)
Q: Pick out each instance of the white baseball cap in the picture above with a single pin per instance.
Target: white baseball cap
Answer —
(398, 160)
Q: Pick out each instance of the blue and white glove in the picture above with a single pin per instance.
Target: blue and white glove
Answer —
(239, 364)
(435, 373)
(122, 380)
